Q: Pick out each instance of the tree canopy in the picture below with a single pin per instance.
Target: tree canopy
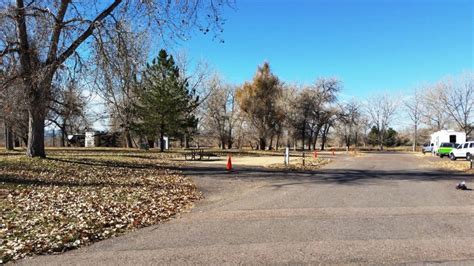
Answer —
(165, 103)
(259, 100)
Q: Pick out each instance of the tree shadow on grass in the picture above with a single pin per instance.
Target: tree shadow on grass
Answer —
(107, 163)
(16, 179)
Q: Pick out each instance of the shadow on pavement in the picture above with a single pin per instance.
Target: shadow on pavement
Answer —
(338, 176)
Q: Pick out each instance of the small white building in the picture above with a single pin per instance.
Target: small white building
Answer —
(92, 139)
(446, 136)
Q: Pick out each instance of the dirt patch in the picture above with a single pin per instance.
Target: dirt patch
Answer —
(299, 164)
(237, 160)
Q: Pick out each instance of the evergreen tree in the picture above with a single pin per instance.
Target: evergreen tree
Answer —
(373, 136)
(391, 138)
(165, 104)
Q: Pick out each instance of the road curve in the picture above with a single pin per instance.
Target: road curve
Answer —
(378, 208)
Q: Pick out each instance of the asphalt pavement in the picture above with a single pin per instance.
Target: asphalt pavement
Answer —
(378, 208)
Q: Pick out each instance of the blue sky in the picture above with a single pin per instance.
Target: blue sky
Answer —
(370, 45)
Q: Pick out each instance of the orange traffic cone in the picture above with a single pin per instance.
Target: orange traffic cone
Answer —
(229, 163)
(315, 155)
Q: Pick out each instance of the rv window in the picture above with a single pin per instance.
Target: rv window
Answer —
(465, 145)
(452, 138)
(472, 145)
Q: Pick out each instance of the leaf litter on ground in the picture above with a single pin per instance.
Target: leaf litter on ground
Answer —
(73, 199)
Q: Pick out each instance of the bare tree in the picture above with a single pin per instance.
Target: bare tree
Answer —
(13, 111)
(364, 127)
(432, 112)
(68, 109)
(381, 109)
(46, 36)
(328, 119)
(198, 76)
(120, 56)
(310, 108)
(326, 94)
(413, 106)
(458, 100)
(290, 106)
(221, 112)
(349, 118)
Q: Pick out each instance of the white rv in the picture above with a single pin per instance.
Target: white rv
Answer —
(443, 136)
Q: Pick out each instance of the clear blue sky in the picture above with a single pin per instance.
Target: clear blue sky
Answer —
(370, 45)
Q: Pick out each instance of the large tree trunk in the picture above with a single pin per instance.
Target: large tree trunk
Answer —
(229, 140)
(25, 141)
(128, 139)
(270, 146)
(310, 139)
(36, 115)
(162, 141)
(63, 136)
(262, 143)
(9, 145)
(303, 134)
(324, 136)
(277, 142)
(17, 140)
(186, 141)
(414, 138)
(381, 140)
(222, 144)
(316, 134)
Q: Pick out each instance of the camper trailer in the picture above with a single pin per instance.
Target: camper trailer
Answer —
(446, 136)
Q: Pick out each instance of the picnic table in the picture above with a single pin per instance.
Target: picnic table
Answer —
(197, 154)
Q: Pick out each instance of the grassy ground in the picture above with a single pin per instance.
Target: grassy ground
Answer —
(445, 163)
(78, 196)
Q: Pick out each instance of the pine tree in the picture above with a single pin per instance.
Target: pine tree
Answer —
(165, 103)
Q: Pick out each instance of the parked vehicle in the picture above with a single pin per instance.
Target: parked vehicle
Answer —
(445, 148)
(427, 147)
(443, 136)
(463, 150)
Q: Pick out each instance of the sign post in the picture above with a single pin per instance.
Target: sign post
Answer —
(287, 156)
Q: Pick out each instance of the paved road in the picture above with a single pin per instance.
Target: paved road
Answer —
(380, 208)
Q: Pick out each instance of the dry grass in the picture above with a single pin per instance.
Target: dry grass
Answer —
(459, 165)
(444, 163)
(79, 196)
(297, 164)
